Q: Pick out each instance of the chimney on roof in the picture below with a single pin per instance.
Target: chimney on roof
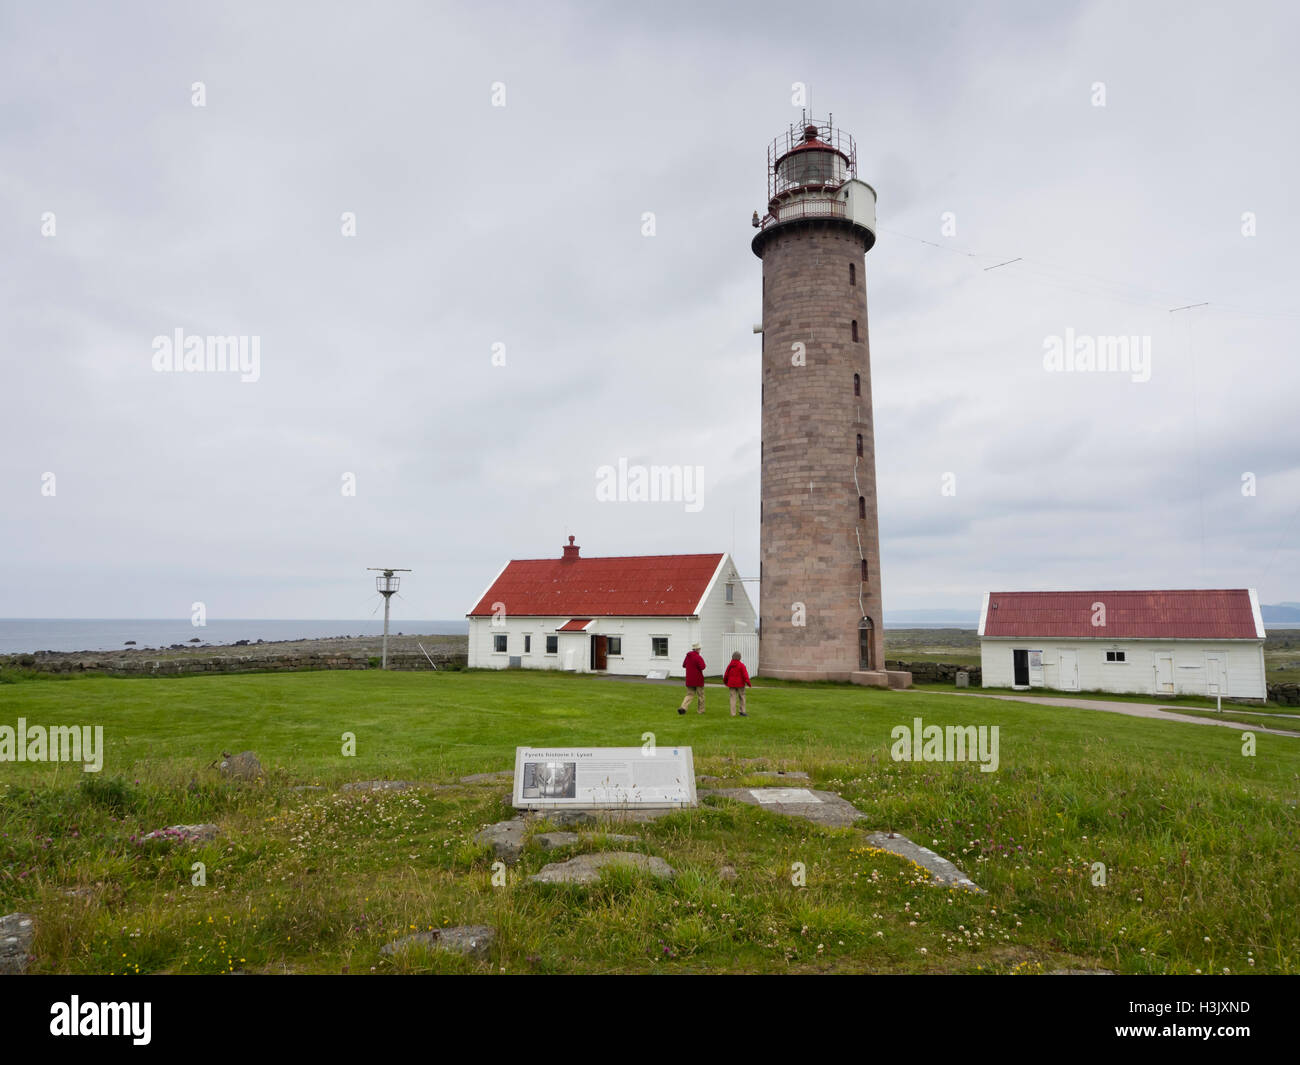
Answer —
(570, 551)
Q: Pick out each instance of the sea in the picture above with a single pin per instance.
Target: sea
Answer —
(25, 635)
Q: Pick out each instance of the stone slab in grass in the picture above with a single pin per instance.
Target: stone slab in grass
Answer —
(788, 774)
(943, 871)
(620, 815)
(186, 833)
(488, 778)
(585, 868)
(505, 837)
(471, 940)
(16, 933)
(1080, 972)
(550, 841)
(820, 807)
(378, 785)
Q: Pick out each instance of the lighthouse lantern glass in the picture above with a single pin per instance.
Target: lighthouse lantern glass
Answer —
(810, 167)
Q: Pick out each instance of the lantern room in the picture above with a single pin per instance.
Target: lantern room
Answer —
(812, 162)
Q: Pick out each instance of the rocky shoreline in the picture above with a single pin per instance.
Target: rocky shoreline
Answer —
(243, 656)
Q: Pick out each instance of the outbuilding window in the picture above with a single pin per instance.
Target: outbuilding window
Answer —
(614, 645)
(1116, 656)
(552, 645)
(499, 643)
(528, 643)
(659, 646)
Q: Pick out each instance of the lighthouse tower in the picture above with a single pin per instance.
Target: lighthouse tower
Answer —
(820, 596)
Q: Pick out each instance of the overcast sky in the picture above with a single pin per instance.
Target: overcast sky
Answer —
(523, 225)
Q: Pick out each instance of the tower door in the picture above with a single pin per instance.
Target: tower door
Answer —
(866, 657)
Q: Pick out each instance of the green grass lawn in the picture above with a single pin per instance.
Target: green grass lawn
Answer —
(1198, 840)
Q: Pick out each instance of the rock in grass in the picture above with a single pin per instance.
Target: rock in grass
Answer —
(377, 785)
(186, 833)
(585, 868)
(243, 766)
(727, 872)
(16, 933)
(505, 837)
(471, 940)
(1080, 972)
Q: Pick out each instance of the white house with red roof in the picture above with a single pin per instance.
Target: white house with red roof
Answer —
(625, 614)
(1195, 642)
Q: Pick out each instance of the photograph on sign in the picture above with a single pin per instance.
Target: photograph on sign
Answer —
(604, 777)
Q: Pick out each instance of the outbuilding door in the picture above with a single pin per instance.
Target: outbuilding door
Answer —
(1164, 673)
(1020, 668)
(1216, 673)
(599, 648)
(1069, 671)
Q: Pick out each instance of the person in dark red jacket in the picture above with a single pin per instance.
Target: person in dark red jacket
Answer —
(736, 679)
(693, 663)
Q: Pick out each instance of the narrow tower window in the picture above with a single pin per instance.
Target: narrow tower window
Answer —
(855, 331)
(862, 509)
(865, 575)
(857, 385)
(859, 445)
(853, 274)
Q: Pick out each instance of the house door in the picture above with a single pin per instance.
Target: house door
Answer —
(1069, 671)
(1164, 673)
(1216, 674)
(599, 646)
(1020, 664)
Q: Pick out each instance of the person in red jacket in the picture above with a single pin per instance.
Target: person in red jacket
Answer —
(736, 679)
(693, 663)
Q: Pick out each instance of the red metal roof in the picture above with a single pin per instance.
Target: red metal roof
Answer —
(576, 625)
(1201, 614)
(630, 586)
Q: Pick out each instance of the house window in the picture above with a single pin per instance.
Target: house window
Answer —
(859, 445)
(1116, 656)
(659, 646)
(552, 645)
(731, 592)
(528, 643)
(499, 643)
(857, 385)
(613, 645)
(853, 274)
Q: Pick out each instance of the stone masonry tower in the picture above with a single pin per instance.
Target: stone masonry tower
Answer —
(820, 597)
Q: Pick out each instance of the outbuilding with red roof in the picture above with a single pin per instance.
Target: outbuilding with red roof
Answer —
(1172, 642)
(628, 614)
